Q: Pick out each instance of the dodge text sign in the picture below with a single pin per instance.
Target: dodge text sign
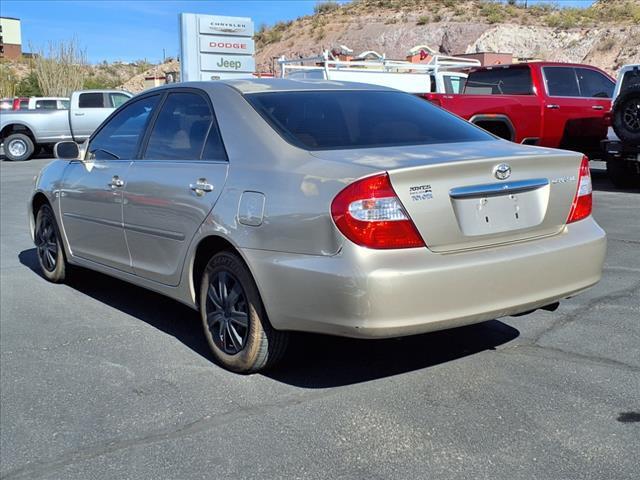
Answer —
(216, 47)
(220, 44)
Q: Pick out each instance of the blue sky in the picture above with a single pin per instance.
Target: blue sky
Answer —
(129, 30)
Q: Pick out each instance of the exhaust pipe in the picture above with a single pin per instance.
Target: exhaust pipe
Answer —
(552, 307)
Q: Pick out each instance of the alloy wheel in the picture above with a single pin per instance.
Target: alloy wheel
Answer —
(227, 312)
(17, 148)
(47, 244)
(631, 116)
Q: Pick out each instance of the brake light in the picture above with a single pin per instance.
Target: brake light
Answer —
(433, 99)
(369, 213)
(582, 202)
(607, 119)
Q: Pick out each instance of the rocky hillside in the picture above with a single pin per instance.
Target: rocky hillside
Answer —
(606, 34)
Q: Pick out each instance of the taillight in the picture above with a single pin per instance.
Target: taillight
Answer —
(582, 202)
(608, 119)
(369, 213)
(433, 99)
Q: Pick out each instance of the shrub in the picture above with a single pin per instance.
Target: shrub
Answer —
(423, 20)
(325, 7)
(61, 70)
(28, 86)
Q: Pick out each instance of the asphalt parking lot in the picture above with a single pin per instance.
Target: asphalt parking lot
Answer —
(101, 379)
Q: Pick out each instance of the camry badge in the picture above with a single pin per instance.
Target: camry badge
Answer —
(502, 171)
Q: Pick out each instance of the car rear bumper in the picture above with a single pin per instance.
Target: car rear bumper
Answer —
(388, 293)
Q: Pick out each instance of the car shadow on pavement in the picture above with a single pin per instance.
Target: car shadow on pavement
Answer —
(163, 313)
(320, 361)
(601, 182)
(312, 361)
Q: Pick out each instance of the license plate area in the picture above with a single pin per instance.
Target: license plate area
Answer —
(487, 214)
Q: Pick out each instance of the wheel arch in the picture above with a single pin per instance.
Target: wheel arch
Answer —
(502, 122)
(206, 248)
(17, 128)
(38, 200)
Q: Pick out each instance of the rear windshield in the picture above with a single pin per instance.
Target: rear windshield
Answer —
(499, 81)
(325, 120)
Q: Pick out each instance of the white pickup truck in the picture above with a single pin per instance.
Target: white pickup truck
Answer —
(24, 132)
(441, 75)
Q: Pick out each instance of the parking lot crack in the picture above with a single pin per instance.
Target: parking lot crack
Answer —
(589, 306)
(38, 469)
(535, 350)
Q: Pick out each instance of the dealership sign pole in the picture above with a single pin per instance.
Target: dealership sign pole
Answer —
(214, 47)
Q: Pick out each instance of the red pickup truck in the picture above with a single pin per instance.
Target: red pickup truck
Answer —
(549, 104)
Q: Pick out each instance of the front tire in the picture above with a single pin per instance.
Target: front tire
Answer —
(234, 319)
(53, 263)
(18, 147)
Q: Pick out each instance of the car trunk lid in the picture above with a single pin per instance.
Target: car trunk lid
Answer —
(459, 199)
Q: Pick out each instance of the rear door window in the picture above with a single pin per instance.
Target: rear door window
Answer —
(91, 100)
(117, 99)
(500, 81)
(453, 84)
(594, 84)
(561, 82)
(180, 129)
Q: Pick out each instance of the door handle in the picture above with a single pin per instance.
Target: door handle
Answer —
(597, 107)
(78, 114)
(201, 187)
(116, 182)
(553, 106)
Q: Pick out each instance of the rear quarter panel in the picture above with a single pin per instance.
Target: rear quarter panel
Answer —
(298, 188)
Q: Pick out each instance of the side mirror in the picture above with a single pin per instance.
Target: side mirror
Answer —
(66, 151)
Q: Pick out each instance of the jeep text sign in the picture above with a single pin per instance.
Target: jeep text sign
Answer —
(220, 44)
(216, 47)
(227, 63)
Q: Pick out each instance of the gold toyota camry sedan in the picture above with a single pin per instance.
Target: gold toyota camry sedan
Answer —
(280, 205)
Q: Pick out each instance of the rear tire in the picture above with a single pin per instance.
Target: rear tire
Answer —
(50, 250)
(234, 319)
(626, 115)
(621, 175)
(18, 147)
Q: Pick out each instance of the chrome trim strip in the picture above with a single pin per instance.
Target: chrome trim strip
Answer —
(155, 232)
(100, 221)
(134, 228)
(495, 189)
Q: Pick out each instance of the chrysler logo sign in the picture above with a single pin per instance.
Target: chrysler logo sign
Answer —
(227, 27)
(502, 171)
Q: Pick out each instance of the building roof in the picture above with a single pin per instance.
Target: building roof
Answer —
(9, 18)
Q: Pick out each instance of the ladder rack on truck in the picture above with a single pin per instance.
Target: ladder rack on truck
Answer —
(402, 75)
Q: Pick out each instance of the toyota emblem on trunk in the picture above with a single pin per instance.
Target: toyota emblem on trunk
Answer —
(502, 171)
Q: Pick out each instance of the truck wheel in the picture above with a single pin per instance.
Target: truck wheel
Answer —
(626, 115)
(621, 175)
(18, 147)
(234, 319)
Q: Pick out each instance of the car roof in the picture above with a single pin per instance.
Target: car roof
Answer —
(255, 85)
(535, 63)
